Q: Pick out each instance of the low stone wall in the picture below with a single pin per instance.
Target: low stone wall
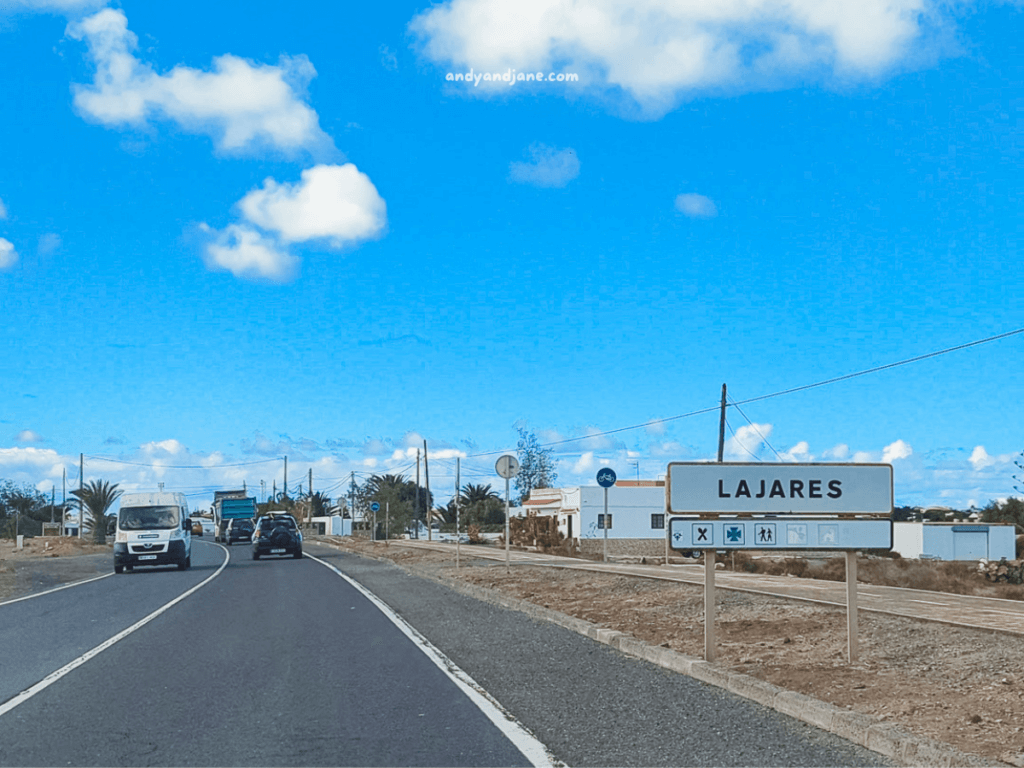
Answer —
(624, 547)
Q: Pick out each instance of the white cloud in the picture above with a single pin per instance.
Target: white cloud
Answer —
(655, 427)
(49, 244)
(244, 106)
(696, 206)
(585, 463)
(37, 466)
(60, 6)
(334, 202)
(3, 210)
(799, 452)
(388, 59)
(838, 453)
(747, 441)
(171, 447)
(895, 451)
(28, 436)
(8, 256)
(547, 167)
(247, 253)
(659, 51)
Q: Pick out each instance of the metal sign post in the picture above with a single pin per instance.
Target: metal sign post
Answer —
(375, 508)
(851, 606)
(387, 522)
(507, 467)
(606, 479)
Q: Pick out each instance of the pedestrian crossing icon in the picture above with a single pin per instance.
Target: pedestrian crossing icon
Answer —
(764, 534)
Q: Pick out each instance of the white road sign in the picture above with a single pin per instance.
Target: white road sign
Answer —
(507, 467)
(687, 533)
(734, 488)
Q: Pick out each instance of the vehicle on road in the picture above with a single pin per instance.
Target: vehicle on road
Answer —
(276, 534)
(153, 529)
(197, 529)
(231, 505)
(238, 530)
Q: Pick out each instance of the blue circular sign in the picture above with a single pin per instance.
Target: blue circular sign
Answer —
(606, 477)
(374, 507)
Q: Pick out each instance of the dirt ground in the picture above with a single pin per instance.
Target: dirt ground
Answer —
(49, 562)
(957, 685)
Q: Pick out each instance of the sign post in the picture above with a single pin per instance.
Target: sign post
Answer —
(782, 507)
(606, 479)
(375, 508)
(507, 467)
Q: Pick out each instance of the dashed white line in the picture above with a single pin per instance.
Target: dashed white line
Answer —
(57, 589)
(53, 677)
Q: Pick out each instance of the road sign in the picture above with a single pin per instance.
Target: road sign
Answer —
(374, 506)
(606, 477)
(688, 533)
(507, 467)
(735, 488)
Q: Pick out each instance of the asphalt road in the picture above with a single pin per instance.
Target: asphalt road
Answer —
(283, 662)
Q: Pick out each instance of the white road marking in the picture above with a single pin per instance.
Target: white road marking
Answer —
(53, 677)
(57, 589)
(532, 749)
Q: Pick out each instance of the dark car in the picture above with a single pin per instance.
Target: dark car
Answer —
(238, 530)
(276, 535)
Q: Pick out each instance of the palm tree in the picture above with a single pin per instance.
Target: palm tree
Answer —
(97, 497)
(471, 494)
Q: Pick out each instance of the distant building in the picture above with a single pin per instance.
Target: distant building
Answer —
(954, 541)
(636, 509)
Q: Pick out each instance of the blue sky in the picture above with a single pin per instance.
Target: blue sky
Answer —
(232, 232)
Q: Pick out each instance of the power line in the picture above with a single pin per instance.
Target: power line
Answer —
(790, 391)
(758, 431)
(181, 466)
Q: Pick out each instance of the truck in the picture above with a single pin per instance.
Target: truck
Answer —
(152, 529)
(231, 505)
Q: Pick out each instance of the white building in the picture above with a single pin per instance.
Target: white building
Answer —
(636, 509)
(954, 541)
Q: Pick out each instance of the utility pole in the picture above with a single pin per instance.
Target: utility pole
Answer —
(310, 513)
(63, 498)
(81, 479)
(709, 560)
(286, 477)
(430, 510)
(721, 429)
(351, 503)
(458, 522)
(416, 513)
(53, 500)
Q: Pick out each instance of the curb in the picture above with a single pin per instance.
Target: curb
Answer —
(864, 730)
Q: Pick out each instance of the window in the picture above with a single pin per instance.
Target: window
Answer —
(658, 521)
(601, 522)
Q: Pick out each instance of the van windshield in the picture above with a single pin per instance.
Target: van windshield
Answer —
(147, 518)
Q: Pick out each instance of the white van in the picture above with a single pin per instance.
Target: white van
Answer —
(153, 529)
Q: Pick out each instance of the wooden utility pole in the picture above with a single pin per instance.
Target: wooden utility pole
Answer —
(416, 512)
(458, 523)
(286, 477)
(310, 513)
(430, 509)
(721, 429)
(709, 559)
